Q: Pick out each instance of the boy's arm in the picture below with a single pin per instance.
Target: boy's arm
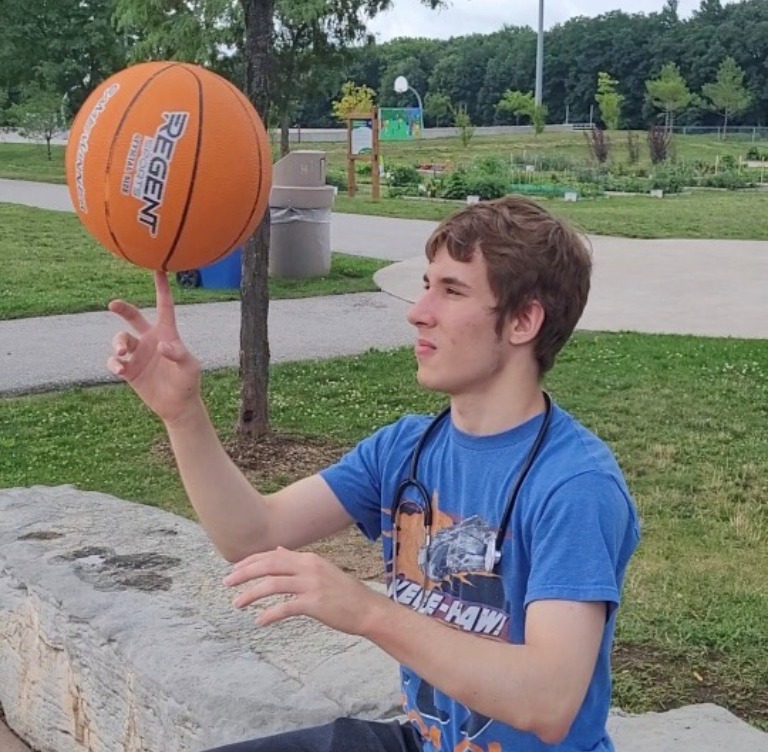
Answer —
(538, 686)
(166, 376)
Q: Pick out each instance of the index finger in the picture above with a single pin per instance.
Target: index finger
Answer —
(166, 312)
(131, 315)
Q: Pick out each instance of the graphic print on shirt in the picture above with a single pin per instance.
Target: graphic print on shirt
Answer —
(452, 581)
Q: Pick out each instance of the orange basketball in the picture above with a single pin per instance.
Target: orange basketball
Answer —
(169, 166)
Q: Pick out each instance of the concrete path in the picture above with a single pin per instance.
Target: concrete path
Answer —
(707, 287)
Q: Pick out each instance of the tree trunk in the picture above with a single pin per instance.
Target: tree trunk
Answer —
(254, 341)
(285, 132)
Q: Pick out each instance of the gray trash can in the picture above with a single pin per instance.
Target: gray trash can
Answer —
(300, 206)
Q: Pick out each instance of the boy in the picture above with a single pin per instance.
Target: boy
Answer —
(506, 526)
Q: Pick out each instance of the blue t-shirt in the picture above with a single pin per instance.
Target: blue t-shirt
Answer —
(570, 537)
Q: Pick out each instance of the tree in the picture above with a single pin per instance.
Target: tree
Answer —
(669, 92)
(353, 99)
(312, 43)
(193, 30)
(520, 103)
(727, 94)
(517, 103)
(437, 106)
(539, 118)
(463, 122)
(253, 418)
(39, 115)
(67, 46)
(206, 32)
(608, 100)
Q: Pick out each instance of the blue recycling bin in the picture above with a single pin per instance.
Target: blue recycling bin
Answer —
(224, 274)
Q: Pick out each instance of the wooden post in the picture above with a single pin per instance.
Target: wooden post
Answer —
(351, 186)
(375, 161)
(372, 156)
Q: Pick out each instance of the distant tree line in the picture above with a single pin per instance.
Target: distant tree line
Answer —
(620, 69)
(477, 71)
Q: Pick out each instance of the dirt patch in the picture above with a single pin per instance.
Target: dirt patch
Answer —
(663, 678)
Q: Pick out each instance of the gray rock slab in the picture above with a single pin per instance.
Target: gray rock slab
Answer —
(693, 728)
(9, 742)
(116, 634)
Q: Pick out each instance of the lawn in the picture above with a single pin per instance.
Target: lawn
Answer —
(50, 265)
(30, 162)
(685, 416)
(700, 214)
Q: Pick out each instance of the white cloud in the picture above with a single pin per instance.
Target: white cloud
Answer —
(409, 18)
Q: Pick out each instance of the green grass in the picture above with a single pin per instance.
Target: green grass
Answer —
(570, 145)
(30, 161)
(50, 265)
(700, 214)
(685, 416)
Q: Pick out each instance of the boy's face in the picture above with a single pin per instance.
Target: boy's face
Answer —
(457, 350)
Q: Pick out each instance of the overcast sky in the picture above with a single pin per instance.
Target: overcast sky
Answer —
(409, 18)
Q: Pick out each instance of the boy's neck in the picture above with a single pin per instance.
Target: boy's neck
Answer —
(485, 415)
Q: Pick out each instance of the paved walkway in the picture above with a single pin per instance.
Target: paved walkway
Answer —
(698, 287)
(706, 287)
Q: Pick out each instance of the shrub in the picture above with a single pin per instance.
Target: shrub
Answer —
(599, 144)
(486, 186)
(435, 187)
(397, 191)
(491, 165)
(731, 181)
(659, 143)
(363, 167)
(627, 184)
(455, 185)
(337, 178)
(673, 179)
(402, 175)
(633, 147)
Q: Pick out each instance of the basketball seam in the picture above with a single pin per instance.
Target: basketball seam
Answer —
(195, 165)
(238, 236)
(108, 170)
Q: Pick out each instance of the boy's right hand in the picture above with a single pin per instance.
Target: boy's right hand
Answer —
(154, 360)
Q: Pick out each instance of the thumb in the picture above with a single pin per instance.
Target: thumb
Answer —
(174, 351)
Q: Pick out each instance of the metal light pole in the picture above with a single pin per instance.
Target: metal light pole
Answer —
(540, 57)
(401, 86)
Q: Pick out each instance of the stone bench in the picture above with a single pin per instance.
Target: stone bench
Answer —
(116, 634)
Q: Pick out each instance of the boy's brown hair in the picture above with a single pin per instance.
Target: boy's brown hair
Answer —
(530, 255)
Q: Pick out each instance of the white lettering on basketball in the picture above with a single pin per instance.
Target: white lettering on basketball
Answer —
(130, 164)
(154, 166)
(82, 145)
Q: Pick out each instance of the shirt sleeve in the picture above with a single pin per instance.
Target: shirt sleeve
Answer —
(581, 542)
(356, 481)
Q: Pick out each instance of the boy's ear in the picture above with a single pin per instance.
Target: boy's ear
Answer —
(526, 324)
